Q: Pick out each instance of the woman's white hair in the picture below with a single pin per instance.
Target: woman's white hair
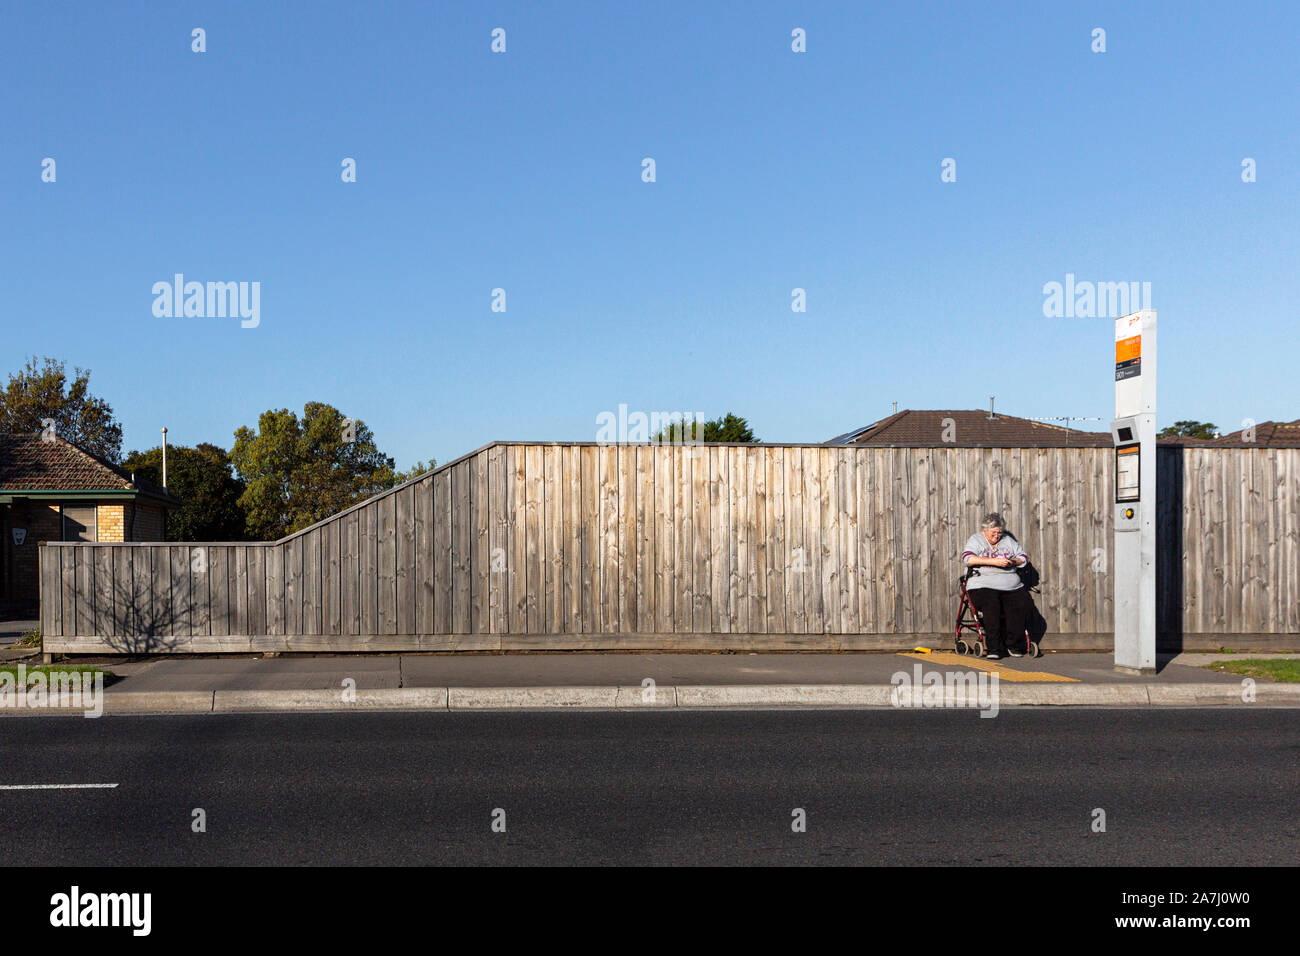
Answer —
(992, 520)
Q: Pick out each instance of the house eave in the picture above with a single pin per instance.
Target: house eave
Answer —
(10, 495)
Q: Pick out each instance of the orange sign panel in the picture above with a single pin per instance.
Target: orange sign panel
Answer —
(1128, 349)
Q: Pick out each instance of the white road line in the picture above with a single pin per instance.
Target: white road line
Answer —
(58, 786)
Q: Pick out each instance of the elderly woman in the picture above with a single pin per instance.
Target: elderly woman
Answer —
(999, 596)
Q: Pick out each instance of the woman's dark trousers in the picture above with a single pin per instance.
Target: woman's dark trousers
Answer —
(1002, 615)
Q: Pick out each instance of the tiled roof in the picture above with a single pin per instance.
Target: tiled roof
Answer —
(969, 428)
(32, 463)
(1267, 435)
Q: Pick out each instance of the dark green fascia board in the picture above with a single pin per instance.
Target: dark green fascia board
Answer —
(9, 494)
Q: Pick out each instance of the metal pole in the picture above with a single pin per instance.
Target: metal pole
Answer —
(1134, 433)
(164, 433)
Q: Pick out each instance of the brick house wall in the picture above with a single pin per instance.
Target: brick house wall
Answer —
(148, 523)
(43, 523)
(112, 522)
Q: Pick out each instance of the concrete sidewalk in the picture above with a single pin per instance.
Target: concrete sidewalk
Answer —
(639, 681)
(594, 670)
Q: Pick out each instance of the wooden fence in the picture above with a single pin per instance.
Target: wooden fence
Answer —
(1239, 543)
(578, 546)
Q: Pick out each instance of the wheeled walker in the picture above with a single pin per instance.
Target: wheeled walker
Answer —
(969, 632)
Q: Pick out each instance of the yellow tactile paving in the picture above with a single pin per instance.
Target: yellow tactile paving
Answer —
(953, 659)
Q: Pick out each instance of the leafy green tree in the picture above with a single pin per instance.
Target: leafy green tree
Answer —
(202, 477)
(415, 471)
(728, 428)
(1189, 430)
(43, 391)
(299, 471)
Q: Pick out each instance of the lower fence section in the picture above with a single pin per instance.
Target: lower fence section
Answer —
(640, 643)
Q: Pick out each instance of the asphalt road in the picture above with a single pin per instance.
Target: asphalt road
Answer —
(1181, 787)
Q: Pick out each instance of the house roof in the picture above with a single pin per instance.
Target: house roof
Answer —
(1266, 435)
(969, 428)
(972, 428)
(32, 463)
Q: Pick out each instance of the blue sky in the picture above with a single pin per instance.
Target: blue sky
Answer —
(522, 171)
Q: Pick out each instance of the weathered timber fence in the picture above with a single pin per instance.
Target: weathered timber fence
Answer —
(578, 546)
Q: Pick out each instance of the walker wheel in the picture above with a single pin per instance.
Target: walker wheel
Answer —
(979, 648)
(962, 647)
(1033, 649)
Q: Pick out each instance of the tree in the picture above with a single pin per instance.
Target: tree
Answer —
(728, 428)
(42, 391)
(1189, 430)
(297, 472)
(202, 477)
(415, 471)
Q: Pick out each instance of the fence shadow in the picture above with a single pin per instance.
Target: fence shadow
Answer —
(146, 625)
(1169, 553)
(1035, 623)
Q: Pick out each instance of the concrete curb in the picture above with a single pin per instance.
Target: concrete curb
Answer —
(158, 702)
(384, 698)
(688, 697)
(1211, 695)
(1073, 695)
(561, 698)
(785, 695)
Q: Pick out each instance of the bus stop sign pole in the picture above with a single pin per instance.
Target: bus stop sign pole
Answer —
(1134, 434)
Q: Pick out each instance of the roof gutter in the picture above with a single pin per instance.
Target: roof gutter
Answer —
(9, 495)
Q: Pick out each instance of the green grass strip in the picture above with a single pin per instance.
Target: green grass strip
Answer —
(1286, 671)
